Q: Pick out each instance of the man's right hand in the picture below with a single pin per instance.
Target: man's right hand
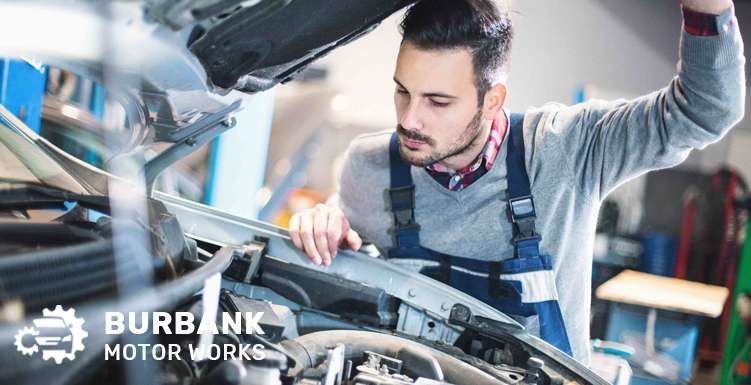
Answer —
(320, 231)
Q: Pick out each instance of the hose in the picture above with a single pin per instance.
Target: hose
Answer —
(310, 351)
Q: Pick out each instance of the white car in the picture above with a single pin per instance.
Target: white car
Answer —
(180, 69)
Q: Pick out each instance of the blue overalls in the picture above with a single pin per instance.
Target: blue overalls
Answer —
(523, 285)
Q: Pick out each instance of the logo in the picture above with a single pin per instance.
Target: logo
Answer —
(58, 334)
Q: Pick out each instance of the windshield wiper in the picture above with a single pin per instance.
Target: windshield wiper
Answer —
(27, 195)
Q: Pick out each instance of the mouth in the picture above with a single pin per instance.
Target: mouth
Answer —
(412, 144)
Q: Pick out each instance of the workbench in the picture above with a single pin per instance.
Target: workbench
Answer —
(659, 317)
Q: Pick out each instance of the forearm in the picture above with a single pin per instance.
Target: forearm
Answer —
(711, 82)
(697, 108)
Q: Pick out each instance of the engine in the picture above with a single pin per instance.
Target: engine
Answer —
(310, 327)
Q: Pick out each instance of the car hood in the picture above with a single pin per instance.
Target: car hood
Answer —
(180, 67)
(253, 45)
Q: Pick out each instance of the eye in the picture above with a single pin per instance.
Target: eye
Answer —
(402, 91)
(436, 103)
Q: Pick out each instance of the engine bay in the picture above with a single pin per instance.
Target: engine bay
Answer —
(318, 327)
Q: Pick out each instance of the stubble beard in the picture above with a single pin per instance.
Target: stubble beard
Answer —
(464, 143)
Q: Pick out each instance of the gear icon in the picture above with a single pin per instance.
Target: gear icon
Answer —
(76, 330)
(26, 350)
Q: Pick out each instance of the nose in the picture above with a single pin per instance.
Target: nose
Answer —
(411, 119)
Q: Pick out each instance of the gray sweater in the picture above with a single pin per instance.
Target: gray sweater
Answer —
(575, 156)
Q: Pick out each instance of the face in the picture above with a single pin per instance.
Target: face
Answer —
(439, 117)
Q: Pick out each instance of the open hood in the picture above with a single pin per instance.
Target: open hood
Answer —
(253, 45)
(180, 67)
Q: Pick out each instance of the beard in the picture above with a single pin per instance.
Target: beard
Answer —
(462, 144)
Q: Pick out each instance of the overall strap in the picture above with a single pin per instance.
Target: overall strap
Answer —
(521, 205)
(402, 197)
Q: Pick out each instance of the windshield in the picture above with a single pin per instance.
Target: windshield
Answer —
(23, 161)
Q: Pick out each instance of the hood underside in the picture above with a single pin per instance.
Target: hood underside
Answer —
(253, 45)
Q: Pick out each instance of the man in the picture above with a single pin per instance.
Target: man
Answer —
(504, 206)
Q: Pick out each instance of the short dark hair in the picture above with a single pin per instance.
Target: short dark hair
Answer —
(480, 25)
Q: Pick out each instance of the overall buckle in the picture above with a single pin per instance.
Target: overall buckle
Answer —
(521, 208)
(403, 206)
(402, 198)
(523, 216)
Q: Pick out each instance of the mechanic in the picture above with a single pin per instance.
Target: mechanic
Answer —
(504, 206)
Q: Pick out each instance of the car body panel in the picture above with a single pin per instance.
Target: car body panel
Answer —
(433, 296)
(257, 46)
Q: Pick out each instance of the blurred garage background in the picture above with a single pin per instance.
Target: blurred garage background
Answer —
(688, 223)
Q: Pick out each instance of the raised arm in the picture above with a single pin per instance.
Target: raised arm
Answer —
(618, 140)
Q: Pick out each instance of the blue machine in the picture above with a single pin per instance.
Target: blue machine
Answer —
(675, 335)
(22, 90)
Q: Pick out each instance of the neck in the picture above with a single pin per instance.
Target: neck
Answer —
(460, 161)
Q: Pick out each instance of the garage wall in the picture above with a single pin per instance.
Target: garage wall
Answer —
(628, 46)
(561, 46)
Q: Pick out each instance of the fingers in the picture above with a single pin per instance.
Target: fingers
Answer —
(353, 240)
(351, 237)
(334, 231)
(294, 230)
(320, 231)
(306, 233)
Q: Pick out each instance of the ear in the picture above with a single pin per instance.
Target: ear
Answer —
(494, 99)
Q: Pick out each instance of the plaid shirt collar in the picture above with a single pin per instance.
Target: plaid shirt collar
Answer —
(458, 180)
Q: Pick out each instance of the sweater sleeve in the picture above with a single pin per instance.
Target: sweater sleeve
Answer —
(364, 168)
(618, 140)
(347, 187)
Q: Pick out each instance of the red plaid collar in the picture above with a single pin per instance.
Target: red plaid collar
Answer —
(457, 180)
